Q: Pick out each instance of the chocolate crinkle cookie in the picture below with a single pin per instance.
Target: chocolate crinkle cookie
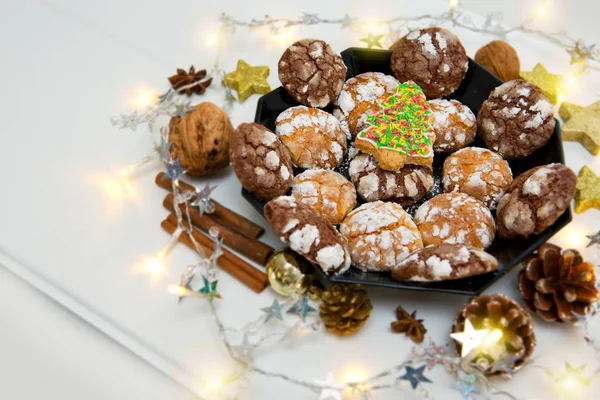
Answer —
(516, 119)
(311, 72)
(444, 261)
(535, 200)
(405, 187)
(260, 161)
(434, 58)
(308, 234)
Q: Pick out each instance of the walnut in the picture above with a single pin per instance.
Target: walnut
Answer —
(501, 59)
(201, 139)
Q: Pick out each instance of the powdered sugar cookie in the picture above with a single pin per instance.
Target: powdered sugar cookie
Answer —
(361, 96)
(327, 192)
(454, 124)
(455, 218)
(314, 138)
(380, 235)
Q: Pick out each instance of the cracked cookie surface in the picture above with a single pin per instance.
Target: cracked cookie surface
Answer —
(380, 235)
(434, 58)
(516, 119)
(311, 72)
(454, 124)
(535, 200)
(260, 161)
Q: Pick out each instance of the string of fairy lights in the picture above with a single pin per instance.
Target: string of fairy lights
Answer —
(294, 316)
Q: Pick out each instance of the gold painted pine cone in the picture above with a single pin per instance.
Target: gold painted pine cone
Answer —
(498, 311)
(345, 308)
(557, 284)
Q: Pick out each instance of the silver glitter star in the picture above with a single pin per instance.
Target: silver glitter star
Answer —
(174, 170)
(309, 19)
(203, 200)
(164, 148)
(347, 21)
(273, 311)
(594, 239)
(182, 109)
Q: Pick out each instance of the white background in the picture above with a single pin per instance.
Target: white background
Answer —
(67, 66)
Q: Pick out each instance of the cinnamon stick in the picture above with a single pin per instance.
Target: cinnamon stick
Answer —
(232, 264)
(222, 215)
(254, 249)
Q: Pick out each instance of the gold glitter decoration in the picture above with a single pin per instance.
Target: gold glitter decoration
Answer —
(549, 83)
(582, 124)
(588, 190)
(248, 80)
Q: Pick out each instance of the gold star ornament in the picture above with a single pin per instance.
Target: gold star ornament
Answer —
(248, 80)
(588, 190)
(549, 83)
(581, 124)
(372, 40)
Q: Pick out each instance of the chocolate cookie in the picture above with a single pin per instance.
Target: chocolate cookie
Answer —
(454, 124)
(516, 119)
(405, 187)
(361, 96)
(327, 192)
(478, 172)
(380, 235)
(444, 261)
(309, 234)
(535, 200)
(313, 137)
(311, 72)
(260, 161)
(455, 218)
(434, 58)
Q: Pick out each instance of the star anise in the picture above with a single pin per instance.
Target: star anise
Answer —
(409, 325)
(183, 78)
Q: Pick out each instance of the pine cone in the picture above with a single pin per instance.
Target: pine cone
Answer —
(558, 285)
(497, 311)
(409, 325)
(345, 308)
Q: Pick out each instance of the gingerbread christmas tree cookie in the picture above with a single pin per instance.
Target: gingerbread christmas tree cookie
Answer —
(401, 132)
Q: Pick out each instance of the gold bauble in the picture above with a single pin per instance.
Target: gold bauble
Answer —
(284, 273)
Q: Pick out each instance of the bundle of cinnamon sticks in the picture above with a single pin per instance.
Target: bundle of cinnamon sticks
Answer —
(237, 232)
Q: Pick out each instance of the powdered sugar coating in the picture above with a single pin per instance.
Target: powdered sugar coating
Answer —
(455, 218)
(380, 235)
(314, 138)
(360, 96)
(327, 192)
(477, 172)
(454, 124)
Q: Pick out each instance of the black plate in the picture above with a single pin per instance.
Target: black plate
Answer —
(474, 89)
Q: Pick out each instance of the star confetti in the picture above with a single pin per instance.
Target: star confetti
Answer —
(327, 393)
(594, 239)
(273, 311)
(372, 40)
(470, 338)
(580, 53)
(588, 190)
(210, 289)
(301, 308)
(466, 385)
(203, 200)
(581, 124)
(248, 80)
(174, 170)
(415, 376)
(549, 83)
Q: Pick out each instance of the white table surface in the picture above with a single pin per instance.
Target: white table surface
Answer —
(67, 67)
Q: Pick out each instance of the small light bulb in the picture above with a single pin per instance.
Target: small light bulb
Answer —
(177, 290)
(154, 266)
(212, 385)
(212, 39)
(145, 98)
(453, 4)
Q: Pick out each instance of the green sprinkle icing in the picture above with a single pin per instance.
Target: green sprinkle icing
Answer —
(404, 122)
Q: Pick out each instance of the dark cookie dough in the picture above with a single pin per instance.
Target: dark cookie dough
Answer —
(311, 72)
(535, 200)
(434, 58)
(260, 161)
(516, 119)
(405, 187)
(308, 233)
(444, 261)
